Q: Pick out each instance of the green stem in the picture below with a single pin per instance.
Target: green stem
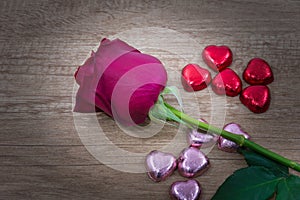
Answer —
(239, 139)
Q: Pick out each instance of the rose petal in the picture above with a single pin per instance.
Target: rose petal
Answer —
(102, 72)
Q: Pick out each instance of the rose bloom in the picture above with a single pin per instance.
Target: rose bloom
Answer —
(121, 81)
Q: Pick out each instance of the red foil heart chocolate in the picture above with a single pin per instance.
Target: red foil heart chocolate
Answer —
(185, 190)
(217, 57)
(227, 82)
(258, 72)
(160, 165)
(195, 78)
(256, 98)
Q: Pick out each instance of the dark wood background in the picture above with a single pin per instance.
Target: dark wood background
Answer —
(43, 42)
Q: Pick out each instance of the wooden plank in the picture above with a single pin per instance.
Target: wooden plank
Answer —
(96, 181)
(43, 42)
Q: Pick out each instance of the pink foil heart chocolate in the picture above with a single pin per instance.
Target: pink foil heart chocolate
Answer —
(227, 82)
(258, 72)
(185, 190)
(195, 78)
(217, 57)
(160, 165)
(227, 145)
(198, 138)
(192, 162)
(256, 98)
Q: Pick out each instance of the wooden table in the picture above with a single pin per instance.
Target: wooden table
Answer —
(43, 42)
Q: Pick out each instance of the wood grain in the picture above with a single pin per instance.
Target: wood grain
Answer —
(43, 42)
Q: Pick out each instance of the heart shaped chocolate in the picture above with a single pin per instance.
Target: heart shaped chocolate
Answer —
(256, 98)
(217, 57)
(192, 162)
(185, 190)
(258, 72)
(195, 78)
(227, 82)
(160, 165)
(198, 138)
(227, 145)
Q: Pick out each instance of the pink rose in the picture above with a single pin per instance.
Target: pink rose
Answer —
(121, 81)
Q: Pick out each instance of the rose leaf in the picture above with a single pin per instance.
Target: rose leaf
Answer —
(254, 182)
(289, 188)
